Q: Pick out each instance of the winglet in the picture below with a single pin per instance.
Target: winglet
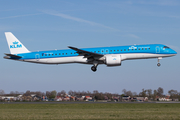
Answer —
(76, 49)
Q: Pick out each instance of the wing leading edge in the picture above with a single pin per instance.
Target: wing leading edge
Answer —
(86, 54)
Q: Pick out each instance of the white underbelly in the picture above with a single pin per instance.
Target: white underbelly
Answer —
(59, 60)
(81, 59)
(142, 56)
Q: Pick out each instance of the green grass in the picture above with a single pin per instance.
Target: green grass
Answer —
(90, 111)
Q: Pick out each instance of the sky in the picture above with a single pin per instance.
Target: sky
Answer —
(56, 24)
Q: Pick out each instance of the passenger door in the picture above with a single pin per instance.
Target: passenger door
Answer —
(157, 49)
(37, 57)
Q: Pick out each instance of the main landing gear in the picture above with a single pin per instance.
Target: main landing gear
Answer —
(94, 67)
(158, 62)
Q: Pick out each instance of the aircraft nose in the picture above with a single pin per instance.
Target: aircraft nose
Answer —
(174, 52)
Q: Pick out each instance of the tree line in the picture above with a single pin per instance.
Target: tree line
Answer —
(151, 94)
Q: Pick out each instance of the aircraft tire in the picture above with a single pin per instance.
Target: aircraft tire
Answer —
(93, 68)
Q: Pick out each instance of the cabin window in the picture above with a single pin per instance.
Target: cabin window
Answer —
(114, 50)
(124, 49)
(111, 50)
(132, 49)
(59, 53)
(55, 54)
(74, 53)
(45, 54)
(128, 49)
(142, 48)
(121, 50)
(106, 50)
(71, 53)
(42, 54)
(102, 51)
(62, 53)
(117, 50)
(149, 48)
(66, 53)
(135, 49)
(145, 48)
(139, 49)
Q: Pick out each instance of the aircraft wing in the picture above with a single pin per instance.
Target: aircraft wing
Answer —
(86, 53)
(14, 56)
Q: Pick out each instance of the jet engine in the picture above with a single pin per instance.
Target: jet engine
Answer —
(113, 60)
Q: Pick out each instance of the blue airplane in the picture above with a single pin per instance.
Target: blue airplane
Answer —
(110, 56)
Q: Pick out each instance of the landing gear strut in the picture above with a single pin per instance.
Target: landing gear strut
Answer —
(158, 62)
(94, 67)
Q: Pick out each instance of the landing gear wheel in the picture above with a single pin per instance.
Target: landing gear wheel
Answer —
(158, 64)
(93, 68)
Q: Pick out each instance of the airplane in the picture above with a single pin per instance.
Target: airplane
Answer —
(110, 56)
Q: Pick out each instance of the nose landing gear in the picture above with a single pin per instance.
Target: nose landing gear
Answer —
(158, 62)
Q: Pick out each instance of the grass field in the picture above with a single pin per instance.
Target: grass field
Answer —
(90, 111)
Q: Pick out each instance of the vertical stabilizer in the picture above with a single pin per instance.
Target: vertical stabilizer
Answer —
(15, 46)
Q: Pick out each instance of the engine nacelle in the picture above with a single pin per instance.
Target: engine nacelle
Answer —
(113, 60)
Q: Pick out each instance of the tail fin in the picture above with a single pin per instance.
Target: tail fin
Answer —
(15, 46)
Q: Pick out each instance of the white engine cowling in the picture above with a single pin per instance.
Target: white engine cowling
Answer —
(113, 60)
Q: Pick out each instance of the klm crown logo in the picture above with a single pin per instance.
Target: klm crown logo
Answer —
(16, 45)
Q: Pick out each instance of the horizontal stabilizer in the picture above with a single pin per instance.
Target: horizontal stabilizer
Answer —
(13, 56)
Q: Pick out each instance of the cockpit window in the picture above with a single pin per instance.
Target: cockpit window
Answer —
(166, 47)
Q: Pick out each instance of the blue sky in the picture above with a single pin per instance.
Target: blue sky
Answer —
(56, 24)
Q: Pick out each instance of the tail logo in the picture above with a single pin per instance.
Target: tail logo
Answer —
(16, 45)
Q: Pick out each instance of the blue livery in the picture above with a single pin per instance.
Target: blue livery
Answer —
(111, 56)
